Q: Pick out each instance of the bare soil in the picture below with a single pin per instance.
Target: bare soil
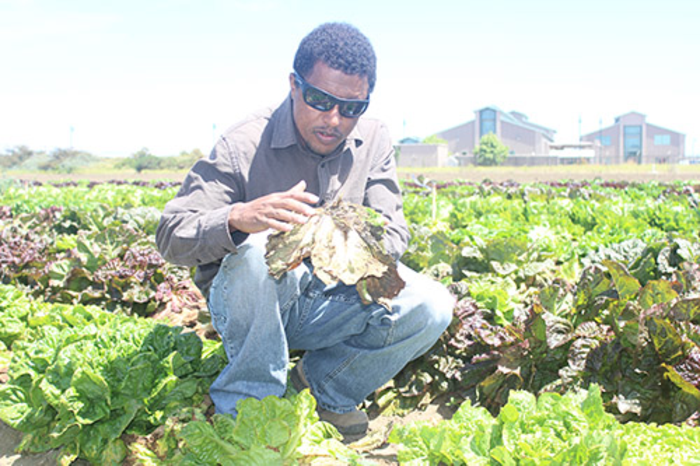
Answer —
(375, 446)
(9, 439)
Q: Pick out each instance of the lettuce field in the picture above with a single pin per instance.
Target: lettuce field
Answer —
(575, 339)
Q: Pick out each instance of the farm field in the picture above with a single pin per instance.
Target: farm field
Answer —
(629, 172)
(585, 293)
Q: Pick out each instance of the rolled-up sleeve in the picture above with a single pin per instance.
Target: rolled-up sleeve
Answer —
(193, 229)
(383, 194)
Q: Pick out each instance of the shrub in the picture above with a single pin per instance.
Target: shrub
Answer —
(490, 151)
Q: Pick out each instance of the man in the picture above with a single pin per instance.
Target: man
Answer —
(265, 174)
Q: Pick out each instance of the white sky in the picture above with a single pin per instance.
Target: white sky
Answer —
(170, 75)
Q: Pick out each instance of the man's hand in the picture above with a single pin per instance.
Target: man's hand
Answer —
(280, 211)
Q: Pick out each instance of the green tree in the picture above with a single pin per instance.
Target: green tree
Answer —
(142, 160)
(182, 161)
(490, 151)
(434, 139)
(13, 158)
(67, 160)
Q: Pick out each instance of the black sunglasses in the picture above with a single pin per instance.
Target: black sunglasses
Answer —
(324, 102)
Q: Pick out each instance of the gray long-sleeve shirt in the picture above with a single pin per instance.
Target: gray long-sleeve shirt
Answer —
(262, 155)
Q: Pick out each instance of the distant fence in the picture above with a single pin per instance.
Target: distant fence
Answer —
(520, 160)
(553, 160)
(433, 155)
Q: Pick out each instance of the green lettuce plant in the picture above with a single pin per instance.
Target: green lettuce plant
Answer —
(269, 431)
(549, 429)
(80, 378)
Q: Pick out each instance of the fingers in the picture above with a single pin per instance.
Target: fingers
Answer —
(280, 211)
(300, 186)
(289, 215)
(281, 225)
(298, 201)
(299, 193)
(296, 206)
(281, 216)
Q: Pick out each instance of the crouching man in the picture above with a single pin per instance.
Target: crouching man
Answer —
(265, 174)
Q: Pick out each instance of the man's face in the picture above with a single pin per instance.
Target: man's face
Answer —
(323, 132)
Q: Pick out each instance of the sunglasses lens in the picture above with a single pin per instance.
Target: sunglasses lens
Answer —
(318, 100)
(352, 109)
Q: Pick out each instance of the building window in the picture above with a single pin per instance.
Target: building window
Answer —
(662, 139)
(633, 143)
(604, 140)
(487, 122)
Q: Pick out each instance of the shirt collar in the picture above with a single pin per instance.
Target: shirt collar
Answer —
(284, 133)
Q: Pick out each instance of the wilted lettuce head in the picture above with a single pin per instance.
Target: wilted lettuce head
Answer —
(344, 242)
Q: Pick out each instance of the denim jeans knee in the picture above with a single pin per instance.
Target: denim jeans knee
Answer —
(247, 309)
(343, 374)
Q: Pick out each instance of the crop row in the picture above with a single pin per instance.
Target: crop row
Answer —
(559, 286)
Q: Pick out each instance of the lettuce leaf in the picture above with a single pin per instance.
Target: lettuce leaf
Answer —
(268, 431)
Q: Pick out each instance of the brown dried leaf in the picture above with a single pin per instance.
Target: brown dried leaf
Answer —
(285, 251)
(344, 246)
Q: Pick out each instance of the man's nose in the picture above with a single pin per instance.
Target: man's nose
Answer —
(333, 116)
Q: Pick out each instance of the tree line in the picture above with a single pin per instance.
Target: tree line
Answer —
(63, 160)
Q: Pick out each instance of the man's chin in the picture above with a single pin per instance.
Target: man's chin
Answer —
(323, 150)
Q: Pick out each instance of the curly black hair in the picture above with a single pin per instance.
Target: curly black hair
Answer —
(342, 47)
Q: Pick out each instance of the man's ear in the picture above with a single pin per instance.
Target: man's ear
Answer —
(292, 84)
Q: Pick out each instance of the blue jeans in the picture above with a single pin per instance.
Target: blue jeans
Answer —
(351, 349)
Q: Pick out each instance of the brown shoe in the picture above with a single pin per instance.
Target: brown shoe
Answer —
(354, 422)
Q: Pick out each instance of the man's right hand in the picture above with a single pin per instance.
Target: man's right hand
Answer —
(280, 211)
